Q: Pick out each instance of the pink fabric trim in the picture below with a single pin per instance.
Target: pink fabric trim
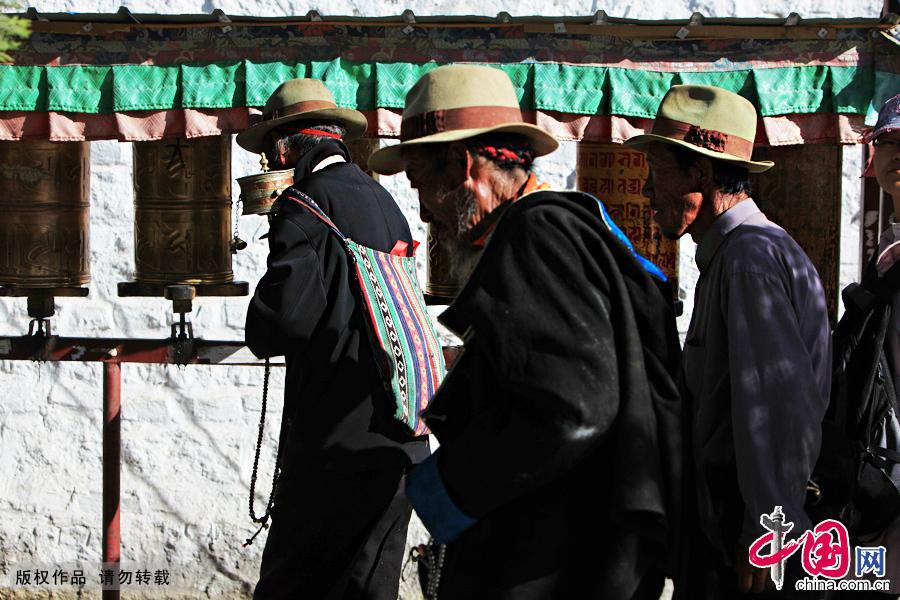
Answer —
(813, 129)
(134, 126)
(386, 121)
(70, 127)
(15, 125)
(153, 125)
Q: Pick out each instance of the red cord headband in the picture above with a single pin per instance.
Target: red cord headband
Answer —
(317, 132)
(504, 154)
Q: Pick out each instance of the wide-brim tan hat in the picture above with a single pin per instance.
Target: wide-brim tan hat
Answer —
(708, 120)
(296, 100)
(454, 103)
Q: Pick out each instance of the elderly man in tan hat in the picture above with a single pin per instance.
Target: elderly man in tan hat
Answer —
(558, 424)
(756, 359)
(340, 518)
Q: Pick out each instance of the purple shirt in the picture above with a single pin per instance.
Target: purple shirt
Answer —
(757, 368)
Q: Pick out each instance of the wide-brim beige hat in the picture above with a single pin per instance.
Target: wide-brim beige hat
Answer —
(296, 100)
(457, 102)
(708, 120)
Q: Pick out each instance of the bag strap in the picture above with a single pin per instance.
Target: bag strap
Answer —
(310, 204)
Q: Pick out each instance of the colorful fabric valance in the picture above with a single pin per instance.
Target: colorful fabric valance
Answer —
(573, 89)
(143, 83)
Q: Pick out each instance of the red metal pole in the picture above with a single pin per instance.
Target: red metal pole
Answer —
(112, 451)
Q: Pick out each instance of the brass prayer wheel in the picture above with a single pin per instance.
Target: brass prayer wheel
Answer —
(44, 215)
(182, 201)
(440, 285)
(259, 191)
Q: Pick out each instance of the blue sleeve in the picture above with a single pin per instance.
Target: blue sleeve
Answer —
(428, 496)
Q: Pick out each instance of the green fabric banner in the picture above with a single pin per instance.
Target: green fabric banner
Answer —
(566, 88)
(887, 86)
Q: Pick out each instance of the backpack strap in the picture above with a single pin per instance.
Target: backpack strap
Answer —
(309, 204)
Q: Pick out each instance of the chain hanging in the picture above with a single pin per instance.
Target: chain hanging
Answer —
(236, 242)
(263, 521)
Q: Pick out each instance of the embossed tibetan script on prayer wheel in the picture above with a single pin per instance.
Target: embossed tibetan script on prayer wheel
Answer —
(182, 200)
(44, 216)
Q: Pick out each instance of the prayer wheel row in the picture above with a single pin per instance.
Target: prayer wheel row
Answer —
(182, 222)
(182, 200)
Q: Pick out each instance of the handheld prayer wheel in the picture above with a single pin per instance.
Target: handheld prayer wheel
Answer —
(259, 191)
(44, 215)
(182, 202)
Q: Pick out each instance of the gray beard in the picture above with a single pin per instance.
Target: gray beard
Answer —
(461, 254)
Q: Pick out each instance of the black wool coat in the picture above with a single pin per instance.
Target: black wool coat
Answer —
(560, 423)
(337, 412)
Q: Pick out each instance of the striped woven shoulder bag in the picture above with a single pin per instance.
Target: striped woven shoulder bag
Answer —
(403, 338)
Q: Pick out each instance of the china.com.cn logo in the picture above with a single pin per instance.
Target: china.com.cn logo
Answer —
(824, 552)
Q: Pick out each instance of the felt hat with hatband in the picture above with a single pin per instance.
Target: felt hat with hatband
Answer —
(707, 120)
(300, 100)
(454, 103)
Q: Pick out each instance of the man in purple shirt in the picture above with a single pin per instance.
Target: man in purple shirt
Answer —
(757, 363)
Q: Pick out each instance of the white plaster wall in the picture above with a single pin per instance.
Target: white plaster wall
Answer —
(189, 433)
(633, 9)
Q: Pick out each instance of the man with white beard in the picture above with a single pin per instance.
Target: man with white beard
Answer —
(559, 457)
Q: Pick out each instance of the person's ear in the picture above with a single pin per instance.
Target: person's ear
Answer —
(703, 171)
(459, 163)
